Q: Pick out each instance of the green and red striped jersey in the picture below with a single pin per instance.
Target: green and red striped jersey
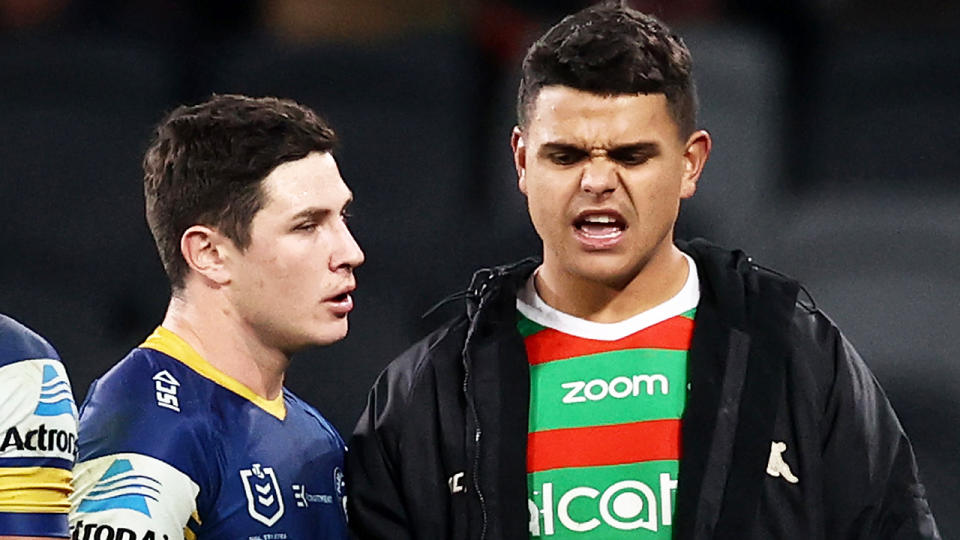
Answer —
(603, 446)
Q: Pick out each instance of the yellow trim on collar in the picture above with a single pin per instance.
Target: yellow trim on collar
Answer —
(168, 343)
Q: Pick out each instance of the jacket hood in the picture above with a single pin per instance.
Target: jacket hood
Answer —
(498, 282)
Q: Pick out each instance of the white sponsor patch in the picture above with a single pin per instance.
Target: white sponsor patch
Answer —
(37, 412)
(139, 493)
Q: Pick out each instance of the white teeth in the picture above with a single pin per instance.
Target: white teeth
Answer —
(599, 219)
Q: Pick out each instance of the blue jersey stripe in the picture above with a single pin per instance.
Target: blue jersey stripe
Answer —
(20, 462)
(34, 524)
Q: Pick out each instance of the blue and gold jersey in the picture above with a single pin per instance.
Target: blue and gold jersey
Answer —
(170, 447)
(38, 435)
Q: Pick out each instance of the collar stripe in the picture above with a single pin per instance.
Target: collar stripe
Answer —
(172, 345)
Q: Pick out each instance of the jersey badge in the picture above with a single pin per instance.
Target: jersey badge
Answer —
(121, 487)
(264, 500)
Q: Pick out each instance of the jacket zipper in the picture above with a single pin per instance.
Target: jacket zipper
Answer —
(476, 456)
(476, 417)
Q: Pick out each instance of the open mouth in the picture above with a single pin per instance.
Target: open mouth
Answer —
(341, 304)
(600, 225)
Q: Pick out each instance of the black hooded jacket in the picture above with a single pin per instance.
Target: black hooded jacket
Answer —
(440, 451)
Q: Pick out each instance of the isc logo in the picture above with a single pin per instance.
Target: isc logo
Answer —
(167, 386)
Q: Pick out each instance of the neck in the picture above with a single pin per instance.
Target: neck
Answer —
(659, 279)
(213, 329)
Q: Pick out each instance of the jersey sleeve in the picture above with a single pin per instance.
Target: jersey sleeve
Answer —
(142, 465)
(132, 492)
(38, 434)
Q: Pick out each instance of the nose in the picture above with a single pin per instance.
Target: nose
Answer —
(348, 254)
(599, 177)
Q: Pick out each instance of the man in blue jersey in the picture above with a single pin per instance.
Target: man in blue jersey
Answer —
(38, 436)
(193, 435)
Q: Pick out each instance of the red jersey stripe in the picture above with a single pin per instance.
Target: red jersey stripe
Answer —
(598, 446)
(549, 344)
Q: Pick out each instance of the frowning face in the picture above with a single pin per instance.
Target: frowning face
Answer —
(604, 177)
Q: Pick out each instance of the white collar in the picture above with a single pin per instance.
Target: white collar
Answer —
(532, 306)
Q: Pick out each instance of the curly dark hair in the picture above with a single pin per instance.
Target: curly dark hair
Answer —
(206, 163)
(610, 49)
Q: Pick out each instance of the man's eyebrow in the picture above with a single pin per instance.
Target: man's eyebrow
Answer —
(633, 150)
(639, 146)
(315, 212)
(549, 147)
(312, 212)
(645, 147)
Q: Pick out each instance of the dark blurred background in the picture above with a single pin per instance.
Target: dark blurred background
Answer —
(836, 158)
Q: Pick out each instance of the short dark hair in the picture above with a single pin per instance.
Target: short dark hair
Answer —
(610, 49)
(206, 163)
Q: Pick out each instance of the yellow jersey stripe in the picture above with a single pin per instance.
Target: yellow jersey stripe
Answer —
(188, 533)
(34, 489)
(168, 343)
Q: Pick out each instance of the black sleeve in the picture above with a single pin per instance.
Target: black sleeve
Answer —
(375, 506)
(871, 482)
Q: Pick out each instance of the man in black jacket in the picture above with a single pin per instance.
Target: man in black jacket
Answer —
(627, 386)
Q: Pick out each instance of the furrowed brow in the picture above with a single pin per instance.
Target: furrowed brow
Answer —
(634, 154)
(649, 148)
(553, 147)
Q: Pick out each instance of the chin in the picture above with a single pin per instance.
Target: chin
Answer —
(331, 334)
(608, 271)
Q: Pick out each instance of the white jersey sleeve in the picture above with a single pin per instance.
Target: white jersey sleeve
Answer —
(38, 435)
(129, 495)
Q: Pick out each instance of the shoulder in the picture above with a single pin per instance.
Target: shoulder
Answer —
(18, 343)
(37, 434)
(821, 348)
(37, 412)
(149, 404)
(489, 310)
(409, 390)
(297, 409)
(441, 348)
(144, 455)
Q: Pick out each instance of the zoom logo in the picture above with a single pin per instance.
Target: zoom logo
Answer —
(626, 505)
(617, 388)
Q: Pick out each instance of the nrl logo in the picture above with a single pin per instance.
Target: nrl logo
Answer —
(264, 500)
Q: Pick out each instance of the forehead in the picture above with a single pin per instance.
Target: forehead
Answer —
(313, 180)
(575, 116)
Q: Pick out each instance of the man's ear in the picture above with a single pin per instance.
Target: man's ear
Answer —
(206, 251)
(695, 156)
(519, 147)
